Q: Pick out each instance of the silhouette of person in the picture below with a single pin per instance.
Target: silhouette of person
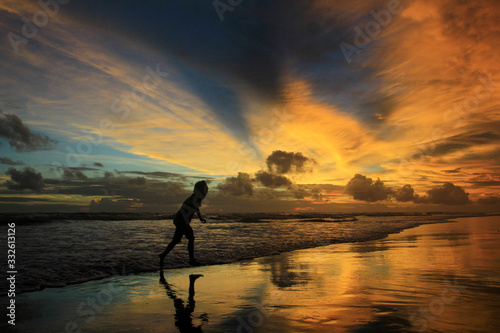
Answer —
(183, 314)
(182, 219)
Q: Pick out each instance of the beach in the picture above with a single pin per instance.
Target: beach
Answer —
(442, 277)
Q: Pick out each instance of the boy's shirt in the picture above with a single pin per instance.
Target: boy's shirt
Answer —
(190, 206)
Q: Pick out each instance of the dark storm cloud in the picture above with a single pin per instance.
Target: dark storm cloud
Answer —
(278, 163)
(485, 180)
(150, 193)
(75, 182)
(74, 186)
(311, 39)
(315, 191)
(484, 138)
(490, 201)
(73, 174)
(257, 46)
(446, 148)
(446, 194)
(97, 164)
(122, 192)
(465, 141)
(457, 170)
(20, 137)
(404, 194)
(8, 161)
(237, 186)
(485, 155)
(27, 179)
(157, 174)
(331, 189)
(271, 180)
(300, 193)
(108, 174)
(211, 56)
(479, 135)
(110, 184)
(362, 188)
(136, 181)
(83, 168)
(282, 162)
(470, 19)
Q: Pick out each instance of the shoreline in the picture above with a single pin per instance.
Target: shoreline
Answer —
(322, 242)
(349, 287)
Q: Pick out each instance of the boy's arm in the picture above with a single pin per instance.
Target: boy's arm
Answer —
(199, 216)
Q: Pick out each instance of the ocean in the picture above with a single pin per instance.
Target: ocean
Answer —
(62, 252)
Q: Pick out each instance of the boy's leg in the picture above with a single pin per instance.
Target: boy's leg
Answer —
(191, 249)
(175, 240)
(190, 236)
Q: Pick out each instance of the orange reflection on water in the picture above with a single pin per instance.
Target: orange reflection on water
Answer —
(438, 277)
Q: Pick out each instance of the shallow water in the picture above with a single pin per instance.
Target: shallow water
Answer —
(54, 254)
(435, 278)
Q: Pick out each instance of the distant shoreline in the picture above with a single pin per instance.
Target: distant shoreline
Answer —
(26, 218)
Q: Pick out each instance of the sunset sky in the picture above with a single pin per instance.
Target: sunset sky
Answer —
(326, 106)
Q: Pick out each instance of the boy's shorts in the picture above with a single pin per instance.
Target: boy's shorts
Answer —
(182, 229)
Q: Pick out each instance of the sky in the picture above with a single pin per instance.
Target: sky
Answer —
(282, 106)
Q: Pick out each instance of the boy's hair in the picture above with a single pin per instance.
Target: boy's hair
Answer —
(201, 187)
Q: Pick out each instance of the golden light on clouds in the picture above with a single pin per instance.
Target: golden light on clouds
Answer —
(417, 104)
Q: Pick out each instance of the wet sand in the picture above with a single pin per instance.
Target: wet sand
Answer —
(441, 277)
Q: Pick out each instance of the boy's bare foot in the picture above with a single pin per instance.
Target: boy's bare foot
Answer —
(193, 277)
(194, 263)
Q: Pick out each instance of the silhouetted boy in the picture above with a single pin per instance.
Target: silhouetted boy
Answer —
(182, 219)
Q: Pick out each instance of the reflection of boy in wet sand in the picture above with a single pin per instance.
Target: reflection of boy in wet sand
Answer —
(182, 219)
(183, 314)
